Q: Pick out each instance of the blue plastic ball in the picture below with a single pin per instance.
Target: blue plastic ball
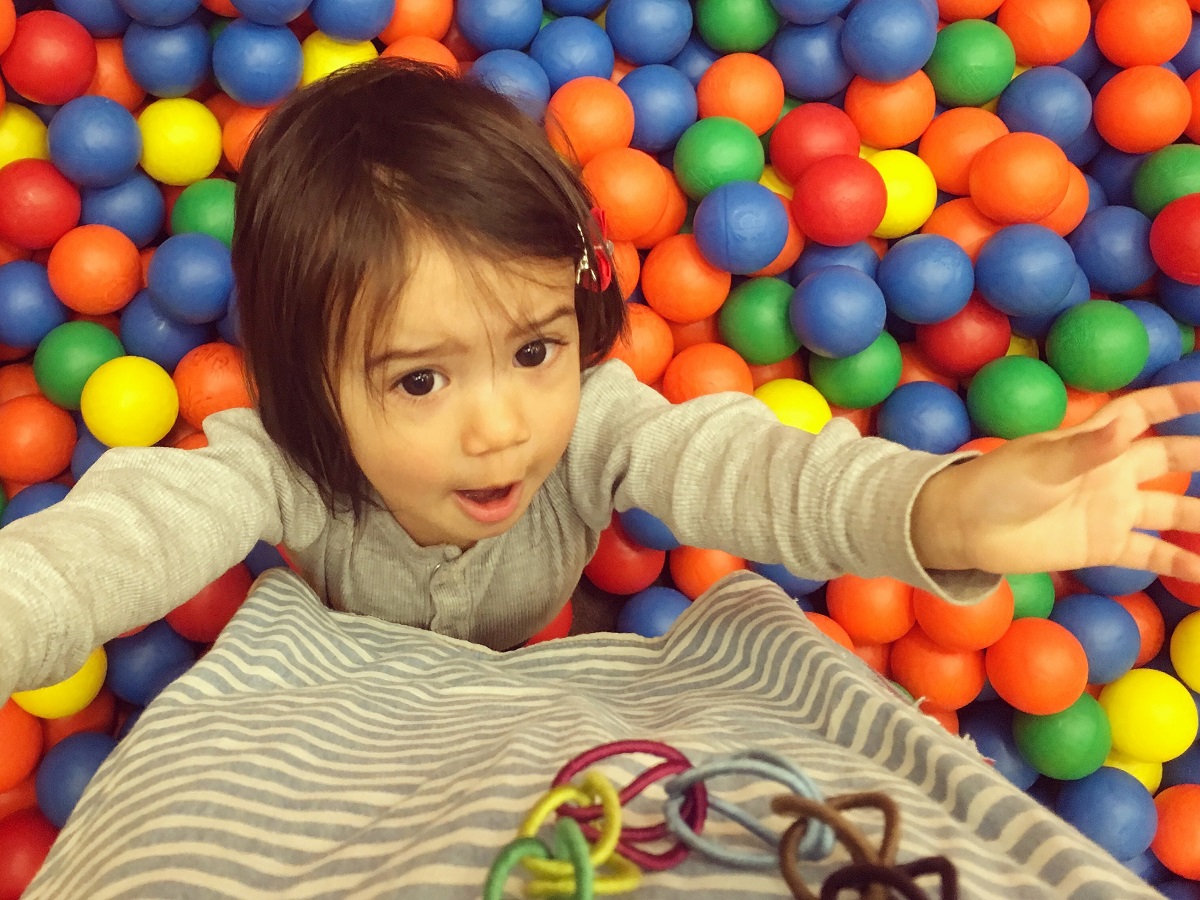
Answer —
(1183, 769)
(572, 47)
(1112, 245)
(888, 40)
(88, 449)
(66, 770)
(1047, 100)
(651, 612)
(1181, 300)
(990, 726)
(1186, 368)
(147, 332)
(694, 59)
(160, 13)
(142, 664)
(1038, 326)
(587, 8)
(1108, 632)
(740, 226)
(264, 556)
(647, 530)
(1084, 148)
(837, 311)
(229, 326)
(926, 278)
(1115, 171)
(792, 584)
(33, 499)
(29, 308)
(664, 105)
(809, 12)
(1116, 581)
(648, 31)
(257, 65)
(1096, 196)
(810, 61)
(1165, 345)
(271, 12)
(190, 277)
(496, 24)
(924, 415)
(1187, 60)
(861, 256)
(1179, 889)
(1086, 60)
(352, 20)
(517, 77)
(1147, 867)
(1112, 808)
(94, 141)
(167, 62)
(102, 18)
(135, 207)
(1025, 270)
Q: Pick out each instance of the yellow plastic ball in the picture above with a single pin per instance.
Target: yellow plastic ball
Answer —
(181, 140)
(70, 695)
(129, 402)
(796, 403)
(911, 192)
(323, 55)
(772, 180)
(22, 135)
(1022, 346)
(1185, 650)
(1148, 773)
(1152, 715)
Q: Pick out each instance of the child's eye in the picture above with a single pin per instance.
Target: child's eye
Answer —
(418, 384)
(536, 353)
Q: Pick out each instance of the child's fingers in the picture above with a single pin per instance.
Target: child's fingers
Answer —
(1156, 456)
(1143, 551)
(1168, 512)
(1139, 410)
(1071, 454)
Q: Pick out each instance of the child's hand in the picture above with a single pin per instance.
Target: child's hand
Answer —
(1068, 499)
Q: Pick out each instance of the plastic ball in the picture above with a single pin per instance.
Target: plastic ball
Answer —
(809, 60)
(87, 451)
(1112, 808)
(425, 49)
(587, 116)
(352, 20)
(972, 62)
(705, 368)
(324, 55)
(1025, 270)
(129, 402)
(1142, 32)
(1015, 395)
(51, 58)
(205, 206)
(1067, 745)
(1114, 581)
(1166, 175)
(572, 47)
(66, 770)
(620, 566)
(1019, 177)
(1037, 667)
(495, 24)
(694, 569)
(1178, 823)
(631, 188)
(181, 140)
(94, 141)
(39, 205)
(740, 226)
(271, 12)
(809, 133)
(891, 115)
(664, 105)
(66, 358)
(160, 13)
(22, 737)
(729, 26)
(742, 86)
(1163, 333)
(989, 725)
(694, 59)
(29, 308)
(716, 151)
(680, 284)
(1045, 32)
(791, 584)
(647, 530)
(647, 345)
(887, 40)
(1033, 594)
(516, 76)
(651, 612)
(38, 439)
(837, 312)
(911, 192)
(135, 207)
(26, 836)
(648, 31)
(795, 403)
(952, 140)
(168, 62)
(1185, 650)
(257, 65)
(69, 696)
(142, 664)
(33, 499)
(22, 135)
(962, 344)
(210, 378)
(923, 415)
(862, 380)
(754, 321)
(1098, 346)
(1142, 109)
(1174, 238)
(94, 269)
(1106, 631)
(148, 333)
(949, 679)
(1047, 100)
(1153, 715)
(202, 617)
(925, 278)
(102, 18)
(839, 200)
(190, 278)
(872, 610)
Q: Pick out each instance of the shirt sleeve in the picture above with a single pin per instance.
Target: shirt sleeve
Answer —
(141, 533)
(723, 473)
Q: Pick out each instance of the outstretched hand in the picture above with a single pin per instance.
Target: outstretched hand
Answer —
(1068, 499)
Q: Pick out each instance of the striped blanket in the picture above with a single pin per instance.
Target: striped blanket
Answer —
(316, 754)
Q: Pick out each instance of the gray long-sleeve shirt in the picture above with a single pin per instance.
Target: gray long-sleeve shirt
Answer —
(145, 529)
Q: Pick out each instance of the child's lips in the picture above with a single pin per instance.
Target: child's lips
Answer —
(492, 504)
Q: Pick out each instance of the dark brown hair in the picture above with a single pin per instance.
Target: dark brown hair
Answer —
(340, 187)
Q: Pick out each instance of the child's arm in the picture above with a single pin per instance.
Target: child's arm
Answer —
(143, 531)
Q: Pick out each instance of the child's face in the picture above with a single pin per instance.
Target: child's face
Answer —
(469, 400)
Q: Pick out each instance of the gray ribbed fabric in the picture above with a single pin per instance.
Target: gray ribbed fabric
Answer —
(317, 754)
(147, 528)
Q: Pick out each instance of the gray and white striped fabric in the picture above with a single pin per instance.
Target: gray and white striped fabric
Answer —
(316, 754)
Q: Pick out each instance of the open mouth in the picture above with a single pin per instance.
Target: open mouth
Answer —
(491, 504)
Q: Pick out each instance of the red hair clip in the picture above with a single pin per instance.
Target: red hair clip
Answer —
(602, 249)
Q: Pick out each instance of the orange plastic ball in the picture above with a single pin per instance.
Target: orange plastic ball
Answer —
(99, 715)
(621, 565)
(1152, 628)
(1142, 32)
(742, 86)
(953, 10)
(37, 439)
(17, 380)
(237, 132)
(952, 140)
(673, 216)
(112, 78)
(872, 610)
(891, 115)
(971, 627)
(1176, 483)
(695, 569)
(222, 106)
(793, 246)
(1193, 126)
(1142, 109)
(210, 378)
(588, 115)
(689, 334)
(425, 18)
(961, 221)
(831, 629)
(1175, 842)
(646, 346)
(95, 269)
(877, 656)
(631, 188)
(1037, 666)
(1070, 212)
(680, 284)
(1081, 405)
(221, 7)
(1045, 32)
(914, 367)
(791, 367)
(21, 737)
(627, 267)
(706, 369)
(1019, 177)
(949, 679)
(423, 49)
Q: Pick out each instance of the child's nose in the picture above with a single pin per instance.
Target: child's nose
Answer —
(497, 422)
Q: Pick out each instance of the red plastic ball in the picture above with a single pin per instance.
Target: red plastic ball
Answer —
(201, 618)
(695, 569)
(25, 839)
(967, 341)
(37, 204)
(809, 133)
(559, 626)
(21, 737)
(1175, 239)
(621, 566)
(839, 200)
(51, 58)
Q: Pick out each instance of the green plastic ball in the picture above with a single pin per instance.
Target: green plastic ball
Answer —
(1067, 745)
(205, 206)
(1187, 337)
(862, 380)
(1166, 175)
(1098, 346)
(67, 356)
(732, 26)
(1033, 595)
(1016, 395)
(973, 61)
(754, 321)
(714, 151)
